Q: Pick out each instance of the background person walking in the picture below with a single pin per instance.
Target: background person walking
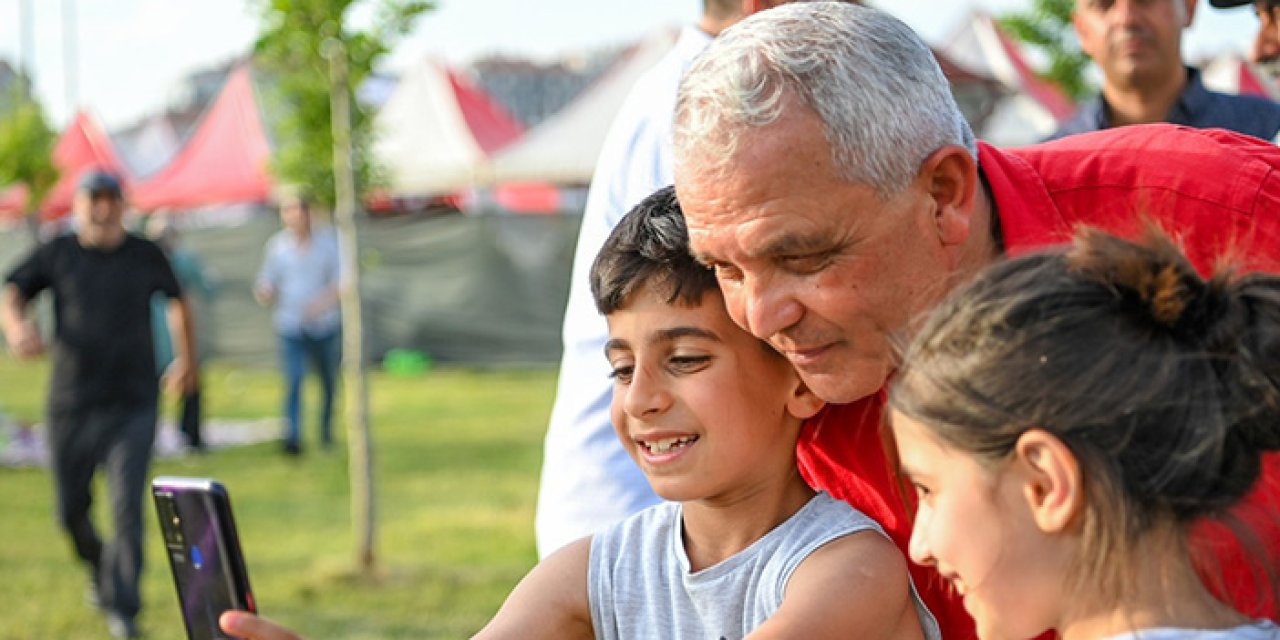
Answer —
(102, 392)
(300, 277)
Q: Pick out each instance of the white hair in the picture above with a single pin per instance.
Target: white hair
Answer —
(883, 100)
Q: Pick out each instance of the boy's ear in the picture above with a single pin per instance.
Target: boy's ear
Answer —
(1052, 484)
(803, 403)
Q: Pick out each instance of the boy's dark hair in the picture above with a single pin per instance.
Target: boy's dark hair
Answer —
(1164, 385)
(649, 246)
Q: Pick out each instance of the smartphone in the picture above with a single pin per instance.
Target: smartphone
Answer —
(204, 552)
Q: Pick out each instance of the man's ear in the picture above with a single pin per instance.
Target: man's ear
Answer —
(1191, 13)
(950, 175)
(1052, 483)
(803, 403)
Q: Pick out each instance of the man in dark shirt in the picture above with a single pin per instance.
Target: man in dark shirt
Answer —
(1138, 46)
(102, 393)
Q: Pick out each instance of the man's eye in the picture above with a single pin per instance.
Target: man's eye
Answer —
(807, 263)
(922, 491)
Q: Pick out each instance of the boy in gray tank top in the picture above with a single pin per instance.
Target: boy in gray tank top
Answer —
(744, 548)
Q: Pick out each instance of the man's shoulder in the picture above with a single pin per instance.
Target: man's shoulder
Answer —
(56, 248)
(1248, 114)
(1146, 145)
(136, 247)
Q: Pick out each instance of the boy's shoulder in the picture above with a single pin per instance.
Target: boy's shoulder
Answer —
(657, 530)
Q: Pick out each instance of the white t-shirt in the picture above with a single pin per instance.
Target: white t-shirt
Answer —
(588, 480)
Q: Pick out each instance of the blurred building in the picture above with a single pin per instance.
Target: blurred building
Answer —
(533, 91)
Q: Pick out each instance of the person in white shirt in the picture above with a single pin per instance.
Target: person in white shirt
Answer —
(300, 277)
(588, 481)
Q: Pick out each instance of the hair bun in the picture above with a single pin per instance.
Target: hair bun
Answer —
(1152, 276)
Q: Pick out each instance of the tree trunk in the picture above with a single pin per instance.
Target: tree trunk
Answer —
(360, 443)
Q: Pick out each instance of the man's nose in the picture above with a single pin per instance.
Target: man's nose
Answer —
(1123, 13)
(764, 306)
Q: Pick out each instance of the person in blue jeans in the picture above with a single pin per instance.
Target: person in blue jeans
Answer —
(300, 277)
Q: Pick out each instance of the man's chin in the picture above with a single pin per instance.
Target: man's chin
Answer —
(844, 385)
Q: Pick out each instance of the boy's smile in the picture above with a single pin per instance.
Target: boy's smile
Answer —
(703, 407)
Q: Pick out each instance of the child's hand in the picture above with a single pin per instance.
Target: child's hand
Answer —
(243, 624)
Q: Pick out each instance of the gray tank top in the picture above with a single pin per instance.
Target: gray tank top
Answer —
(1256, 630)
(640, 585)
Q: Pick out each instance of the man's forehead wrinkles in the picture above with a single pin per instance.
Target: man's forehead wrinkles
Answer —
(753, 240)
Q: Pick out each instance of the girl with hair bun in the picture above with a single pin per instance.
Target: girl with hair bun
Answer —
(1069, 416)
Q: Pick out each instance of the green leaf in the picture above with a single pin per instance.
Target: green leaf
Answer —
(1046, 28)
(288, 49)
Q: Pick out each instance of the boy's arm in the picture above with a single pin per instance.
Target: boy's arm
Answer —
(550, 602)
(854, 586)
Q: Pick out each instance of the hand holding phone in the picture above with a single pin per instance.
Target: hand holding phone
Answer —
(204, 552)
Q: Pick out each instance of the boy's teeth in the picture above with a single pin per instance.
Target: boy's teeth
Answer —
(665, 445)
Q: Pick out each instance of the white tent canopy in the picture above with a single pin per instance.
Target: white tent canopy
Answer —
(436, 132)
(563, 149)
(1032, 108)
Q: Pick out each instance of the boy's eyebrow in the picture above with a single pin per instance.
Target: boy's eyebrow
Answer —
(675, 333)
(664, 335)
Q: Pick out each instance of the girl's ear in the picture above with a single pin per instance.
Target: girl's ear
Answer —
(1052, 484)
(803, 404)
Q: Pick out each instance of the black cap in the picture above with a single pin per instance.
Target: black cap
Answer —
(97, 181)
(1226, 4)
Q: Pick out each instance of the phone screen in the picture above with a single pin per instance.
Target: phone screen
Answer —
(204, 552)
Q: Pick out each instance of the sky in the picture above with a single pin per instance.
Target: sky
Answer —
(131, 54)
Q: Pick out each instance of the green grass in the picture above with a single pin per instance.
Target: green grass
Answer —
(457, 454)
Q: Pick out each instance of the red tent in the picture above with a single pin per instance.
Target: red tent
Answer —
(13, 201)
(224, 161)
(82, 146)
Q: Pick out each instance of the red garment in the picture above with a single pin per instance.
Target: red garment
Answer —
(1217, 191)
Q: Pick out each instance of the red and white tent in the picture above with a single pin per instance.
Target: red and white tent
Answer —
(83, 145)
(223, 162)
(1233, 74)
(1032, 108)
(437, 132)
(149, 145)
(564, 148)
